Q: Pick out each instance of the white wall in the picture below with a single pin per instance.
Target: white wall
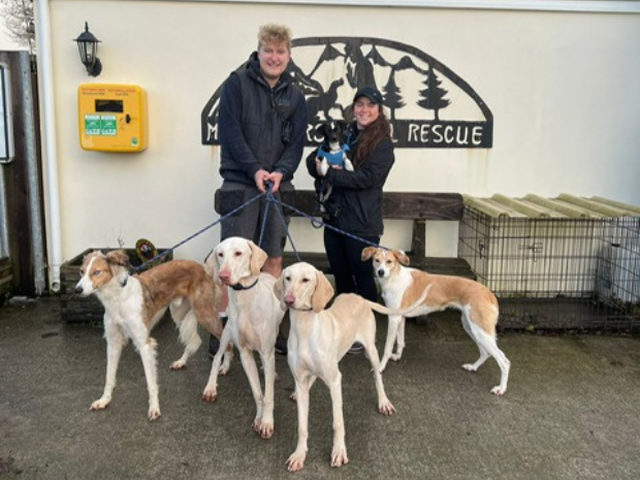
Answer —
(562, 88)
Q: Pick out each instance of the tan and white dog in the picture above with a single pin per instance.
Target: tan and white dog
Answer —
(133, 305)
(254, 318)
(401, 285)
(318, 339)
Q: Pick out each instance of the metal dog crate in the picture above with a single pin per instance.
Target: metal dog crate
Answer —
(562, 263)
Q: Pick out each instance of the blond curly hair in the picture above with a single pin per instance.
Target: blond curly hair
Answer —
(273, 33)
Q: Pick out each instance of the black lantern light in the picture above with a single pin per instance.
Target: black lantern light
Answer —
(88, 49)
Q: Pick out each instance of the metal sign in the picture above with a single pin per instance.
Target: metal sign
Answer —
(6, 119)
(428, 104)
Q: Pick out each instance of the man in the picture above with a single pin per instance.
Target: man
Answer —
(262, 123)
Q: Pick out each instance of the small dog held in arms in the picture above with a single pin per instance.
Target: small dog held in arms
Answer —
(333, 153)
(318, 339)
(134, 304)
(254, 317)
(401, 285)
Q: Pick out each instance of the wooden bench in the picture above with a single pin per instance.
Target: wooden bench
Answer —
(416, 206)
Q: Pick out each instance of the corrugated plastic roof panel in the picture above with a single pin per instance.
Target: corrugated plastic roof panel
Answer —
(563, 206)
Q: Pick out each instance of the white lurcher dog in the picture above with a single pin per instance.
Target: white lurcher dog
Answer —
(318, 339)
(401, 285)
(254, 317)
(134, 304)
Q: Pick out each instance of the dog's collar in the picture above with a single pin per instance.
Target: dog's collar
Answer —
(239, 286)
(310, 309)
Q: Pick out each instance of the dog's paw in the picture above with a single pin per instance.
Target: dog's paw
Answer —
(264, 429)
(209, 395)
(499, 391)
(154, 413)
(178, 365)
(470, 367)
(295, 462)
(396, 357)
(100, 404)
(339, 456)
(386, 408)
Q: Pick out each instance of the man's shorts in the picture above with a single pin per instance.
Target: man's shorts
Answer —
(247, 222)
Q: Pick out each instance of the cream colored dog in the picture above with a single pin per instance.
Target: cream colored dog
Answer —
(254, 318)
(401, 285)
(318, 339)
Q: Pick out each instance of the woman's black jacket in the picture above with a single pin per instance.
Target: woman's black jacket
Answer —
(355, 204)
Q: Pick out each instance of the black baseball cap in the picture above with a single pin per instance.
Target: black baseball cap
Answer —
(371, 93)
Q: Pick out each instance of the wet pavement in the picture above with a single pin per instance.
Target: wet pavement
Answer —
(572, 410)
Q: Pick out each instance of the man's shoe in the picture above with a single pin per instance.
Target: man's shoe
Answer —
(281, 345)
(356, 348)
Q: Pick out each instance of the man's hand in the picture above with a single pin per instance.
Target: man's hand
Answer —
(261, 177)
(276, 178)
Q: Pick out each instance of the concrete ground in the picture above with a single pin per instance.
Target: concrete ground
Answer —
(572, 410)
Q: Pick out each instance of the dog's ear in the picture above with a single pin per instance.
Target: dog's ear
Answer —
(211, 267)
(343, 124)
(118, 258)
(367, 253)
(278, 290)
(402, 257)
(258, 258)
(322, 294)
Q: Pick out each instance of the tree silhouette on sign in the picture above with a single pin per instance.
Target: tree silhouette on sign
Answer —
(392, 98)
(433, 95)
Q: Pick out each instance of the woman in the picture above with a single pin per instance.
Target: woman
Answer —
(355, 204)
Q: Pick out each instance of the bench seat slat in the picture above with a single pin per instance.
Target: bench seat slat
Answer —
(434, 265)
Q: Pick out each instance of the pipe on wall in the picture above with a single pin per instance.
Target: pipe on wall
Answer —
(33, 176)
(49, 142)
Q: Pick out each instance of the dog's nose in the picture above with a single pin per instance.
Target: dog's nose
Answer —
(224, 276)
(380, 272)
(78, 290)
(289, 299)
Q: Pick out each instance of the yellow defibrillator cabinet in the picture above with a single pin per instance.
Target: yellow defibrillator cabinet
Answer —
(112, 117)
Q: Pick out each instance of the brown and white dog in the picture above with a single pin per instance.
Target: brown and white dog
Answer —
(134, 304)
(318, 339)
(401, 285)
(254, 317)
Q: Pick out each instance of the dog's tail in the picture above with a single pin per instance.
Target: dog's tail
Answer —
(389, 311)
(205, 305)
(212, 323)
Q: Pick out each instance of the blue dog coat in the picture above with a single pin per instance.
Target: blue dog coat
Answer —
(336, 158)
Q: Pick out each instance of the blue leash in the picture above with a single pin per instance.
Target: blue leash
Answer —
(270, 199)
(314, 221)
(169, 250)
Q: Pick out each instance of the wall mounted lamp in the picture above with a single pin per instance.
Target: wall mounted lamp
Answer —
(88, 49)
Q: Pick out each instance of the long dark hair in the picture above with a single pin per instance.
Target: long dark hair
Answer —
(369, 138)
